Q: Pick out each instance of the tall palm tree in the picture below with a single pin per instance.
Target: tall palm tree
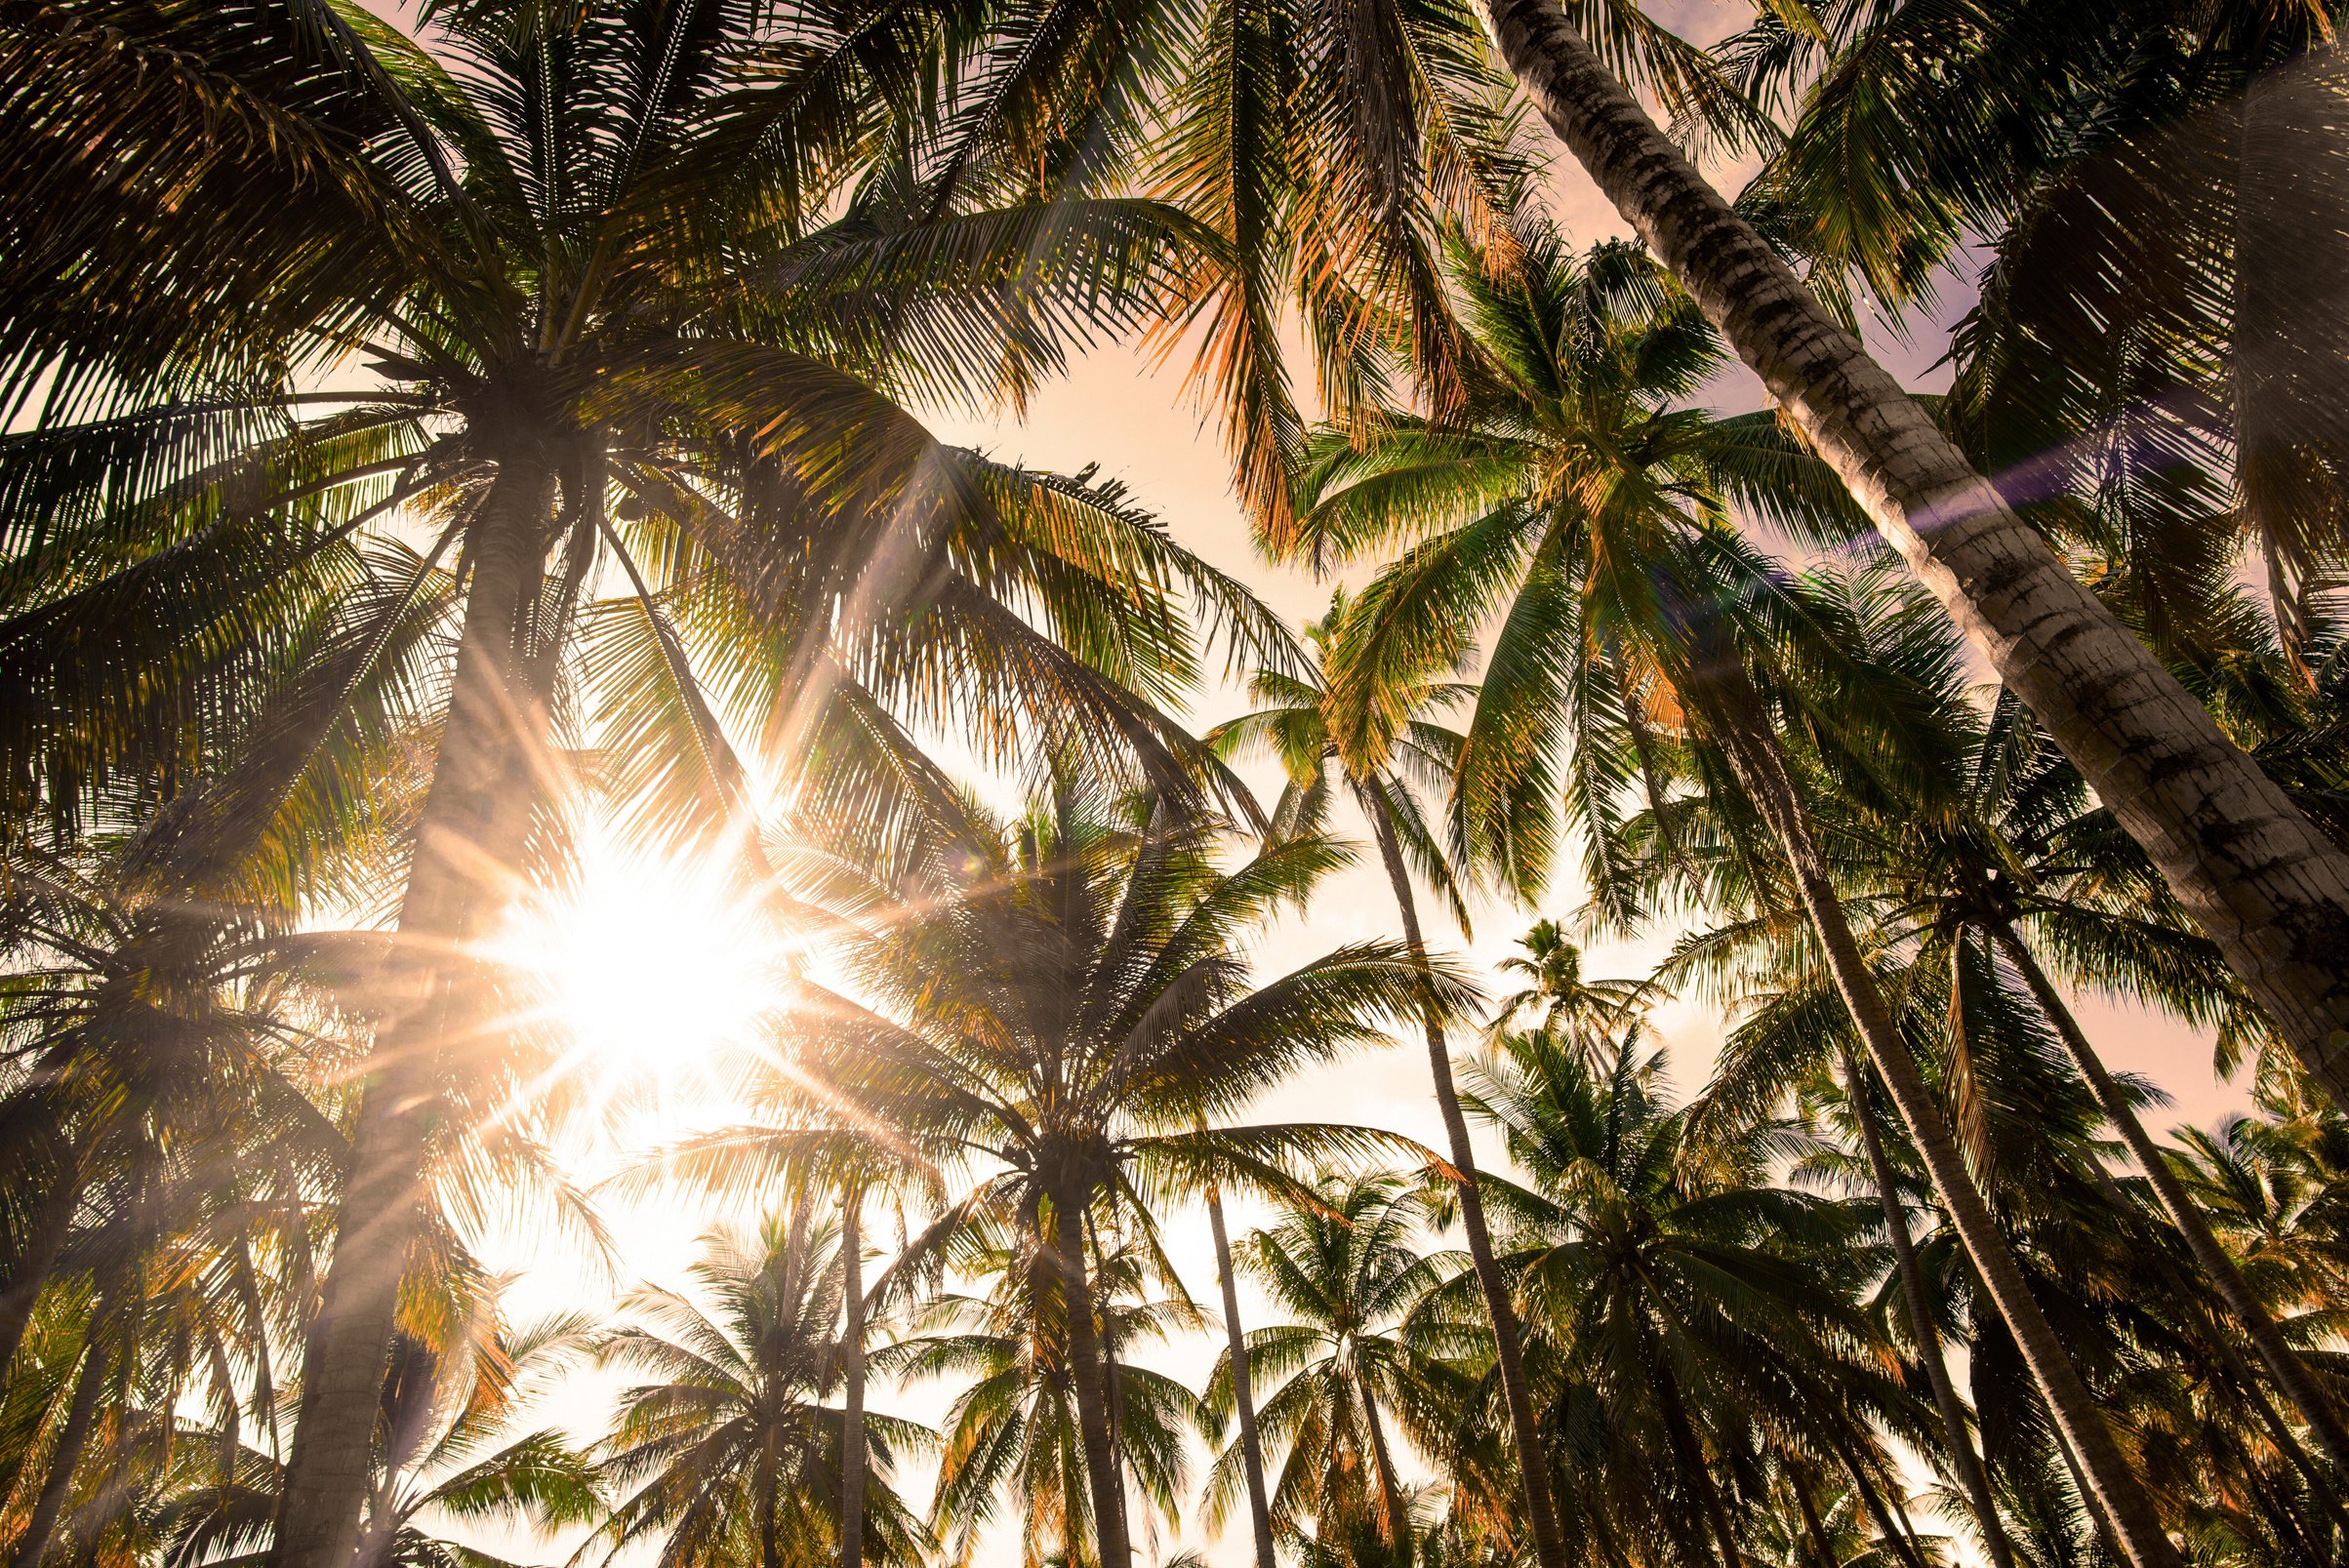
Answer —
(1381, 744)
(592, 287)
(1588, 1010)
(732, 1451)
(1065, 996)
(2265, 884)
(1692, 1297)
(2022, 864)
(1344, 1273)
(1013, 1435)
(1579, 501)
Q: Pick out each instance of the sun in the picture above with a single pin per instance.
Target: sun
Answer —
(647, 963)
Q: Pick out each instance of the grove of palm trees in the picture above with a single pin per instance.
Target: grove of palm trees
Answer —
(1701, 920)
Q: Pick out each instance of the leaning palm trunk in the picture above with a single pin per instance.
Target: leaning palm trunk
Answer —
(852, 1404)
(1761, 768)
(1508, 1338)
(2267, 1338)
(2261, 880)
(1243, 1394)
(475, 815)
(1086, 1378)
(1918, 1298)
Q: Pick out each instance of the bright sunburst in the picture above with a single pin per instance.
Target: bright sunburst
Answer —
(648, 964)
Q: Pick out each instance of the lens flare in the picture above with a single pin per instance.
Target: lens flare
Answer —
(649, 965)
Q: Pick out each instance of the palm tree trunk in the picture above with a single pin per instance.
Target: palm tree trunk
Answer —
(1107, 1486)
(1692, 1456)
(28, 1271)
(1392, 1517)
(2260, 879)
(1507, 1338)
(1918, 1298)
(770, 1541)
(2267, 1338)
(2089, 1501)
(1243, 1396)
(852, 1413)
(468, 840)
(65, 1457)
(1892, 1528)
(1811, 1526)
(1754, 754)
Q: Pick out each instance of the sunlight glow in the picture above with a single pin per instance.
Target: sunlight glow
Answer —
(649, 965)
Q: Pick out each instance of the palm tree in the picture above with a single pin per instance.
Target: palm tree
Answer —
(1578, 502)
(445, 1453)
(1589, 1009)
(1695, 1302)
(1326, 145)
(2275, 1187)
(1342, 1271)
(2142, 223)
(733, 1452)
(1381, 744)
(647, 322)
(2267, 886)
(1063, 996)
(1013, 1434)
(2021, 852)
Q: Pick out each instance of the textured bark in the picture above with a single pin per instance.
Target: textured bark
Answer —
(2261, 880)
(1243, 1394)
(1754, 754)
(1507, 1338)
(29, 1269)
(1108, 1487)
(852, 1413)
(467, 842)
(2290, 1373)
(65, 1457)
(1919, 1299)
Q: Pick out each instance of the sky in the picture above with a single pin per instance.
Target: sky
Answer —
(1132, 419)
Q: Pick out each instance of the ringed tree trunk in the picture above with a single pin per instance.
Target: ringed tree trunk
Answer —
(2258, 875)
(1085, 1376)
(1243, 1395)
(1754, 755)
(2290, 1373)
(852, 1411)
(468, 840)
(1919, 1299)
(1507, 1338)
